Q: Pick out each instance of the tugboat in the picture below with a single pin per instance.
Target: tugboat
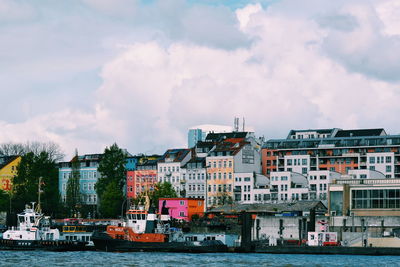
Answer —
(34, 232)
(144, 230)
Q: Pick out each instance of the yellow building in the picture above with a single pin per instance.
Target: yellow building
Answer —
(8, 170)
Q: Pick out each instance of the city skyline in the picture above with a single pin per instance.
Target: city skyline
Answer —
(90, 73)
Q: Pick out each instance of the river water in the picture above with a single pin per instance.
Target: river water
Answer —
(86, 258)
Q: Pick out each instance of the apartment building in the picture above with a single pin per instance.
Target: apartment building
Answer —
(170, 168)
(87, 168)
(143, 177)
(233, 153)
(194, 175)
(334, 150)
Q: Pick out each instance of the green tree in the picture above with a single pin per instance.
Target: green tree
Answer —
(111, 201)
(161, 190)
(73, 194)
(32, 170)
(4, 201)
(112, 177)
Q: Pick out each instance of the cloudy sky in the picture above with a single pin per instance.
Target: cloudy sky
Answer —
(87, 73)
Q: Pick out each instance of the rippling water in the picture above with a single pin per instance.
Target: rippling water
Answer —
(42, 258)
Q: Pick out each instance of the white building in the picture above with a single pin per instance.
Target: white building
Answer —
(382, 162)
(318, 183)
(251, 188)
(194, 176)
(169, 168)
(288, 186)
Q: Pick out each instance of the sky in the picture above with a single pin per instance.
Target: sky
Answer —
(88, 73)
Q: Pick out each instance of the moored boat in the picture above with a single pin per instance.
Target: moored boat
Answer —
(34, 231)
(144, 230)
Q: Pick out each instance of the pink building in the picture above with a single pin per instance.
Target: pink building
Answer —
(183, 208)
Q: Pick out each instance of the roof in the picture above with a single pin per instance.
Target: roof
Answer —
(201, 160)
(271, 207)
(233, 147)
(361, 132)
(359, 139)
(5, 160)
(321, 131)
(175, 155)
(216, 137)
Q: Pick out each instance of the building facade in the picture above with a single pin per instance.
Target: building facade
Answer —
(334, 150)
(194, 177)
(8, 170)
(169, 168)
(233, 153)
(89, 175)
(143, 178)
(183, 208)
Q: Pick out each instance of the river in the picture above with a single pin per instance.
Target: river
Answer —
(86, 258)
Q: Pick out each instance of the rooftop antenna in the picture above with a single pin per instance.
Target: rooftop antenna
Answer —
(236, 125)
(243, 124)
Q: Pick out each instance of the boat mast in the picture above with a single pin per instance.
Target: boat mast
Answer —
(38, 207)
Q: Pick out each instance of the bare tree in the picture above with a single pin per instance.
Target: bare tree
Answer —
(12, 149)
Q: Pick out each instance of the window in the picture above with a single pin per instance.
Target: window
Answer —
(284, 178)
(372, 160)
(289, 162)
(388, 159)
(304, 161)
(182, 214)
(304, 170)
(363, 176)
(182, 203)
(388, 168)
(372, 168)
(322, 177)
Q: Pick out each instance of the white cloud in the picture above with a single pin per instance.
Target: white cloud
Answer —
(14, 11)
(331, 64)
(114, 7)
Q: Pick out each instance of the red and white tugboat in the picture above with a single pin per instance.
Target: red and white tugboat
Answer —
(144, 230)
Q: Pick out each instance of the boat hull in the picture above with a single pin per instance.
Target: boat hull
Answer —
(104, 242)
(6, 244)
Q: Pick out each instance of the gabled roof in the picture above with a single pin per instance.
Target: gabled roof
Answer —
(5, 160)
(174, 155)
(196, 160)
(232, 147)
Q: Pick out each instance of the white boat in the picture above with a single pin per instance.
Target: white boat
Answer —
(34, 231)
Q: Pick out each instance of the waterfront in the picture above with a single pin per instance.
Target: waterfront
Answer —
(42, 258)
